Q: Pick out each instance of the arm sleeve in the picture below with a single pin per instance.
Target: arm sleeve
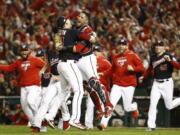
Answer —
(138, 66)
(8, 68)
(40, 63)
(108, 70)
(148, 72)
(175, 64)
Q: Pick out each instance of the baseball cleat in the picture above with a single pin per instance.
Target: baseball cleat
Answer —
(43, 129)
(77, 125)
(35, 130)
(51, 124)
(101, 127)
(66, 125)
(150, 129)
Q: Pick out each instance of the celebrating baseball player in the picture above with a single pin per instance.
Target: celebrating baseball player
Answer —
(53, 96)
(125, 65)
(29, 68)
(70, 74)
(104, 71)
(87, 64)
(161, 64)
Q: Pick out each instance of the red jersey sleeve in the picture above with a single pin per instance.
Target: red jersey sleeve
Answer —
(175, 64)
(105, 66)
(40, 63)
(138, 66)
(8, 68)
(148, 72)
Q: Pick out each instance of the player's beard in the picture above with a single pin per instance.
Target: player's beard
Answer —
(24, 56)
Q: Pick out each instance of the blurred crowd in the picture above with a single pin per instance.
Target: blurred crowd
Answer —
(141, 21)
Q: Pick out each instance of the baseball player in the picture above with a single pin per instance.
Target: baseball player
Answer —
(87, 64)
(125, 65)
(28, 68)
(53, 96)
(162, 64)
(70, 75)
(103, 68)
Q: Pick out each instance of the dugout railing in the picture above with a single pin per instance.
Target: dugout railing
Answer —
(165, 118)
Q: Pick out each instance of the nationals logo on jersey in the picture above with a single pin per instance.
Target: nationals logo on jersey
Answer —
(25, 65)
(121, 61)
(163, 67)
(54, 61)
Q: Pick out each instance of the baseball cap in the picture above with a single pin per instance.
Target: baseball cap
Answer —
(61, 21)
(24, 47)
(159, 43)
(40, 52)
(122, 41)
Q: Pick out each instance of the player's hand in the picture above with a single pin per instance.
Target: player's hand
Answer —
(100, 74)
(167, 58)
(140, 79)
(130, 68)
(93, 37)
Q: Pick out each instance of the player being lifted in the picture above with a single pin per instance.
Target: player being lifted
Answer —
(87, 64)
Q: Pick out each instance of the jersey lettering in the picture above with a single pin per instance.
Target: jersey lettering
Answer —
(121, 61)
(25, 65)
(163, 67)
(54, 61)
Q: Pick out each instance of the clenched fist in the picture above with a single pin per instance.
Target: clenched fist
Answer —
(130, 68)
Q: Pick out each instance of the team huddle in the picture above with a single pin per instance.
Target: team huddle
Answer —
(73, 64)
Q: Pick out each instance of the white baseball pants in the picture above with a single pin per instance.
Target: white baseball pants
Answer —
(52, 92)
(71, 76)
(88, 66)
(30, 100)
(164, 89)
(89, 115)
(127, 95)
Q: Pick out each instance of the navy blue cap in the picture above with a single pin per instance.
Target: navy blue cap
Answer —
(122, 41)
(61, 21)
(159, 43)
(24, 47)
(40, 52)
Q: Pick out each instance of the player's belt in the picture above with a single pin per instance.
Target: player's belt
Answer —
(68, 60)
(161, 80)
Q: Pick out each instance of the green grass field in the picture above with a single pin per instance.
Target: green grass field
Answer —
(23, 130)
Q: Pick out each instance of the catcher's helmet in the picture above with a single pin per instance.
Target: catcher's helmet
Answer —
(60, 22)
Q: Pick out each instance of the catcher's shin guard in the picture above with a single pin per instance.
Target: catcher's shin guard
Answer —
(94, 96)
(95, 84)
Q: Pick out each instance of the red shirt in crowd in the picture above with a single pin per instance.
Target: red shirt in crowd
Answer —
(104, 67)
(120, 62)
(28, 70)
